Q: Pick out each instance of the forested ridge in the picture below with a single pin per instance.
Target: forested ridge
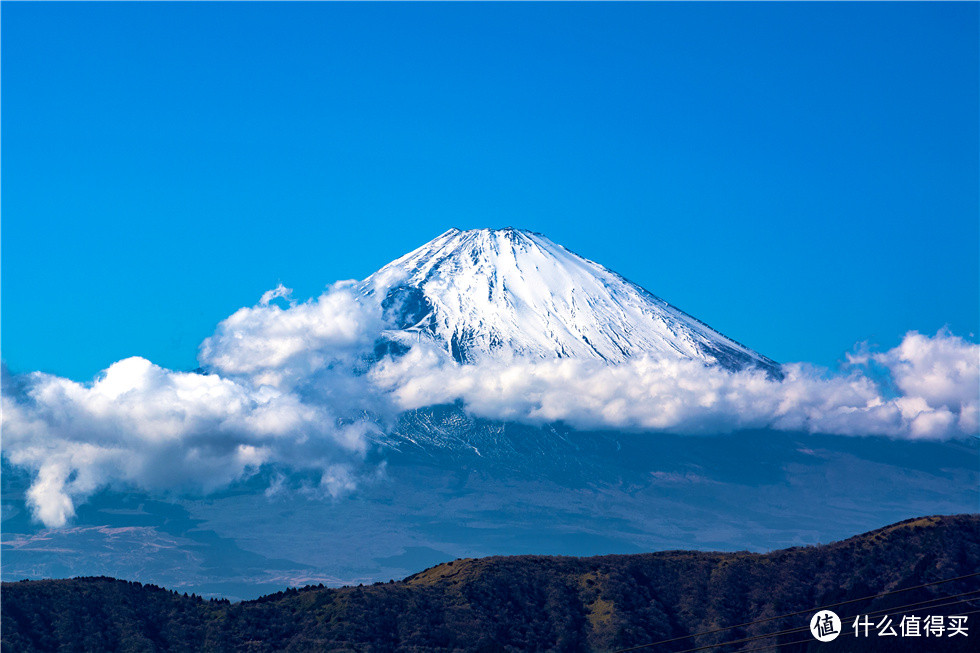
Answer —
(532, 603)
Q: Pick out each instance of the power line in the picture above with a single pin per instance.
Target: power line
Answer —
(804, 641)
(793, 614)
(803, 628)
(875, 613)
(899, 608)
(848, 618)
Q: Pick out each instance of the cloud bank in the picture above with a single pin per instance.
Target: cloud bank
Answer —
(939, 378)
(299, 386)
(163, 430)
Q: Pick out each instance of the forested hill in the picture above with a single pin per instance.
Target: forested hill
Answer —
(536, 603)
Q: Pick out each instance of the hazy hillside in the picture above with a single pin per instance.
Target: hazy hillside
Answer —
(528, 602)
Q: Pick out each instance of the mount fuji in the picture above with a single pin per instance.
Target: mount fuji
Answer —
(443, 482)
(493, 295)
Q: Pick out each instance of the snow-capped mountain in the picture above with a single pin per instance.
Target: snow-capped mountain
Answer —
(497, 294)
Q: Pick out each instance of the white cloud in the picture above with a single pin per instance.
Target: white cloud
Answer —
(685, 396)
(283, 348)
(164, 430)
(278, 292)
(292, 386)
(942, 370)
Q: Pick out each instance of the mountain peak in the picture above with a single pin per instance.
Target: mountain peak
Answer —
(500, 294)
(455, 237)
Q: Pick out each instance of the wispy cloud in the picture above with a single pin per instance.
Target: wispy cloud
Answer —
(295, 385)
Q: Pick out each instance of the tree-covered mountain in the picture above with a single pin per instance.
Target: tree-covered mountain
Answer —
(539, 603)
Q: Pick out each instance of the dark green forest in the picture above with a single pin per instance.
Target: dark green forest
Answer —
(541, 603)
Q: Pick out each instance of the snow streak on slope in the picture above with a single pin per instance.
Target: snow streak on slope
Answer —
(494, 295)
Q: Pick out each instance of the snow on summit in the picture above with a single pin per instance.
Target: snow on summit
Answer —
(498, 294)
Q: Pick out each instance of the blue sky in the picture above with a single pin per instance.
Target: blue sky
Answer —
(799, 176)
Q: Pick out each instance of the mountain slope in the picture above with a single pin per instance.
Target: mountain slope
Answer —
(539, 603)
(489, 295)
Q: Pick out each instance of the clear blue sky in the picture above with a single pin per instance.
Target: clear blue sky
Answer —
(799, 176)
